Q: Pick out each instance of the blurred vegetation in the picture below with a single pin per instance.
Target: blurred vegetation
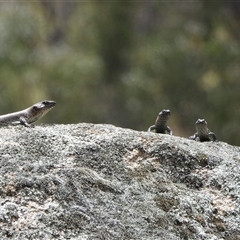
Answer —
(123, 62)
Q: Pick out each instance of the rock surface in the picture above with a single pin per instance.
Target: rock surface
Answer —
(86, 181)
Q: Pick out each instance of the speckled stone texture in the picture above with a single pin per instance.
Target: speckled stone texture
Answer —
(86, 181)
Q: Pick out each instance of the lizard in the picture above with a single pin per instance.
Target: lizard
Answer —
(161, 123)
(28, 115)
(203, 134)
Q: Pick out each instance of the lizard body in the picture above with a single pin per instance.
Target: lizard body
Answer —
(28, 115)
(161, 123)
(203, 134)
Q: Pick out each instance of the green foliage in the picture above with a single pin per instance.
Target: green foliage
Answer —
(122, 63)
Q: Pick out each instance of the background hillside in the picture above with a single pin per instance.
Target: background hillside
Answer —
(123, 62)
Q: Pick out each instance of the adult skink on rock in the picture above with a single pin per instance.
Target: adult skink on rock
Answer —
(161, 123)
(28, 115)
(203, 134)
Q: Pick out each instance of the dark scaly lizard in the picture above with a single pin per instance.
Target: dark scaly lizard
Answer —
(161, 123)
(28, 115)
(203, 134)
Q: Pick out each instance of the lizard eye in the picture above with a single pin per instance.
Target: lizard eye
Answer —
(35, 108)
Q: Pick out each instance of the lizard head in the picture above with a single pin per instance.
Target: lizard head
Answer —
(201, 123)
(165, 113)
(38, 110)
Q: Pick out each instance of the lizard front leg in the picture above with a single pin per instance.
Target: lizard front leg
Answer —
(151, 128)
(194, 137)
(169, 131)
(212, 136)
(24, 122)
